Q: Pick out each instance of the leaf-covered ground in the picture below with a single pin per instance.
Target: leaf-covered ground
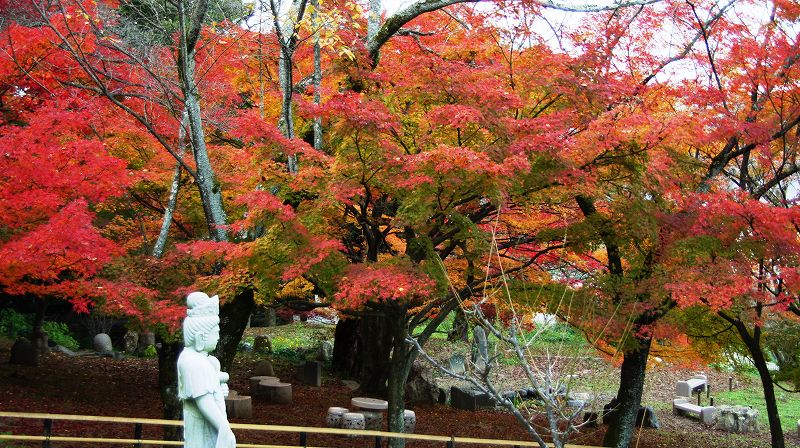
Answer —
(128, 387)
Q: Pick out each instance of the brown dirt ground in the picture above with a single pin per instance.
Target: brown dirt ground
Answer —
(128, 388)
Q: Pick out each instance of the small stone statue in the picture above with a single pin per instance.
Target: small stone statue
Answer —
(201, 385)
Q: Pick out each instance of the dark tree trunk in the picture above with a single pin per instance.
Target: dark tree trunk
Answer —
(361, 349)
(460, 330)
(629, 397)
(400, 365)
(168, 386)
(233, 319)
(753, 343)
(38, 338)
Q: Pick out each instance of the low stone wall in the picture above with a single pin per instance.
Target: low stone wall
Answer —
(737, 419)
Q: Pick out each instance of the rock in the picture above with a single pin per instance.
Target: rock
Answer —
(420, 389)
(480, 352)
(264, 368)
(325, 351)
(590, 419)
(130, 341)
(102, 343)
(23, 353)
(311, 373)
(737, 419)
(64, 350)
(443, 395)
(262, 343)
(456, 364)
(146, 339)
(350, 384)
(646, 418)
(469, 399)
(573, 403)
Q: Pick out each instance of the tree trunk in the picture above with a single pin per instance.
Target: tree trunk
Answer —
(629, 396)
(362, 349)
(233, 317)
(460, 330)
(400, 365)
(38, 338)
(169, 210)
(168, 386)
(753, 343)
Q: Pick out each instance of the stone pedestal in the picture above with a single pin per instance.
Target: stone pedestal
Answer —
(737, 419)
(256, 388)
(277, 393)
(238, 406)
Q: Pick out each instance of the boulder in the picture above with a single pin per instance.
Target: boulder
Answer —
(23, 353)
(262, 343)
(264, 368)
(646, 418)
(420, 389)
(130, 341)
(469, 399)
(325, 351)
(102, 343)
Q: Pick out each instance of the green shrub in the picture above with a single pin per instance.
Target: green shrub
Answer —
(59, 333)
(14, 324)
(150, 351)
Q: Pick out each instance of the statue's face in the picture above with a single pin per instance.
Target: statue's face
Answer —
(211, 339)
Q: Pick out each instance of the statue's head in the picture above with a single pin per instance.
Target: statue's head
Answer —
(201, 325)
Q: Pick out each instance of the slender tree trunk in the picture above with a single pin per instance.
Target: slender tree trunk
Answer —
(37, 333)
(317, 77)
(753, 343)
(166, 222)
(233, 317)
(629, 396)
(210, 191)
(460, 330)
(168, 386)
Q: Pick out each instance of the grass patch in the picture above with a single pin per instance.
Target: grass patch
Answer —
(788, 404)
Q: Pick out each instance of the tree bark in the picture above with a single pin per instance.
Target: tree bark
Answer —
(362, 349)
(233, 317)
(629, 396)
(168, 386)
(460, 330)
(400, 365)
(753, 344)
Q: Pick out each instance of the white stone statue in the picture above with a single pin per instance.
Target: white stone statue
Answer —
(201, 385)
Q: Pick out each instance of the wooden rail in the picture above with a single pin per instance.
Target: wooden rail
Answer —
(137, 441)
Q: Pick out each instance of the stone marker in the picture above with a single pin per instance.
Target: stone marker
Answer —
(469, 399)
(480, 351)
(325, 351)
(457, 364)
(262, 343)
(23, 353)
(130, 341)
(102, 343)
(646, 418)
(264, 368)
(311, 373)
(201, 385)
